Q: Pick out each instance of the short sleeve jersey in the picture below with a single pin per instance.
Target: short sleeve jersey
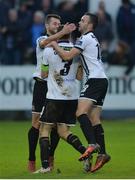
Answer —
(62, 83)
(91, 56)
(39, 57)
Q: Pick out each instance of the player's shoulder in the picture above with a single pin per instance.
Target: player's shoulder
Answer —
(41, 38)
(89, 35)
(87, 38)
(84, 38)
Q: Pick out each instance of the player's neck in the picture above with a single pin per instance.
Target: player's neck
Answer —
(48, 33)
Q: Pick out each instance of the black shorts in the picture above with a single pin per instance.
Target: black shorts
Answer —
(59, 111)
(39, 96)
(95, 89)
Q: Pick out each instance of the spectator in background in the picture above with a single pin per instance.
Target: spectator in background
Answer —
(11, 39)
(10, 3)
(32, 5)
(37, 30)
(104, 33)
(46, 7)
(126, 25)
(104, 30)
(25, 18)
(4, 7)
(126, 22)
(121, 56)
(80, 8)
(3, 19)
(66, 11)
(2, 52)
(102, 7)
(37, 27)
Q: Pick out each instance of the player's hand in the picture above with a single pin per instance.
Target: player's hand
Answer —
(68, 28)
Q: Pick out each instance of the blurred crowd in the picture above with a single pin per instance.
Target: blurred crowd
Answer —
(22, 22)
(123, 52)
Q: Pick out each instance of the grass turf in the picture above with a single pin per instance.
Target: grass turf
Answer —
(120, 140)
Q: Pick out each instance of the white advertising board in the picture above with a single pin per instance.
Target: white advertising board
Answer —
(16, 86)
(121, 91)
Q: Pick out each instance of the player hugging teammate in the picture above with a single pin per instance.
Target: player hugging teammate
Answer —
(61, 92)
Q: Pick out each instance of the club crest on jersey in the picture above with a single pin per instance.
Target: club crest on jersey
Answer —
(79, 43)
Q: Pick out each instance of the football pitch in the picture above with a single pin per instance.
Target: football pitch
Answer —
(120, 142)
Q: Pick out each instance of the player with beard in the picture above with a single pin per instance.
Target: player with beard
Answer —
(93, 94)
(62, 99)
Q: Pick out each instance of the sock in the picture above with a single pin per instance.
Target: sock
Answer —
(76, 143)
(99, 134)
(87, 128)
(44, 151)
(33, 135)
(54, 138)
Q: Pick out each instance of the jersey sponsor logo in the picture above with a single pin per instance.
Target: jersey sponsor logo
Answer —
(79, 43)
(66, 48)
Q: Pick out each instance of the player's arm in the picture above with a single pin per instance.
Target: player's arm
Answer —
(44, 71)
(79, 74)
(68, 28)
(65, 55)
(44, 42)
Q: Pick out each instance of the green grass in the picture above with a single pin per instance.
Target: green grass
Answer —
(120, 140)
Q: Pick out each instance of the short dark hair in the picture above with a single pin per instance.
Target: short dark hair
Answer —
(49, 16)
(93, 19)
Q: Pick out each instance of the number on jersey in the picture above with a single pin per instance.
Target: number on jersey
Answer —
(66, 68)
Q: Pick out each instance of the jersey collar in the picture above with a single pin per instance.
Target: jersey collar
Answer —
(88, 32)
(63, 41)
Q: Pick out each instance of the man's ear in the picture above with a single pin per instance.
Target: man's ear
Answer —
(46, 25)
